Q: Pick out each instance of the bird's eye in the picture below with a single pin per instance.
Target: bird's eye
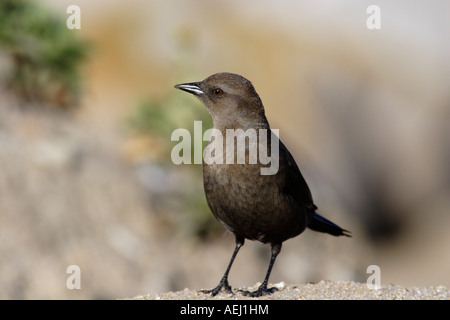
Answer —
(218, 92)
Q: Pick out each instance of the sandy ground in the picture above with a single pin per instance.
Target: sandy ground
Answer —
(324, 290)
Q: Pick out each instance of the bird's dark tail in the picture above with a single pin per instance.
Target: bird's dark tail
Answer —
(320, 224)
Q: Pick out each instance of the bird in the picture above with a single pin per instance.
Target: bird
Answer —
(270, 208)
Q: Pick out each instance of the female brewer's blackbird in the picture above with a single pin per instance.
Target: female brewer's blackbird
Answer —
(269, 208)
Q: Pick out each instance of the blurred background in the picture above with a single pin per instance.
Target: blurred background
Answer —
(86, 117)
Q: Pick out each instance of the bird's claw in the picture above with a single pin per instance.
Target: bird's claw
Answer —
(216, 290)
(262, 291)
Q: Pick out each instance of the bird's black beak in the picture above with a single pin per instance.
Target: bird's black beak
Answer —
(193, 87)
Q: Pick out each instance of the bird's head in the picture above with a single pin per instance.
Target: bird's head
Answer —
(230, 99)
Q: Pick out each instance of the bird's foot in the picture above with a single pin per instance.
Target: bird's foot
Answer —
(223, 284)
(262, 291)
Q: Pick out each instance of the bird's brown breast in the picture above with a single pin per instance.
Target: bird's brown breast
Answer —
(252, 205)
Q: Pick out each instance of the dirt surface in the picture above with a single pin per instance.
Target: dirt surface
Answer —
(324, 290)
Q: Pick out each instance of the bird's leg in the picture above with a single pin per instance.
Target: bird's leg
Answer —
(263, 290)
(224, 281)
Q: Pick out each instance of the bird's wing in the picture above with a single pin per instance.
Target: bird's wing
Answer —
(295, 184)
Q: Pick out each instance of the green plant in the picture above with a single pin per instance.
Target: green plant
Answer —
(46, 57)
